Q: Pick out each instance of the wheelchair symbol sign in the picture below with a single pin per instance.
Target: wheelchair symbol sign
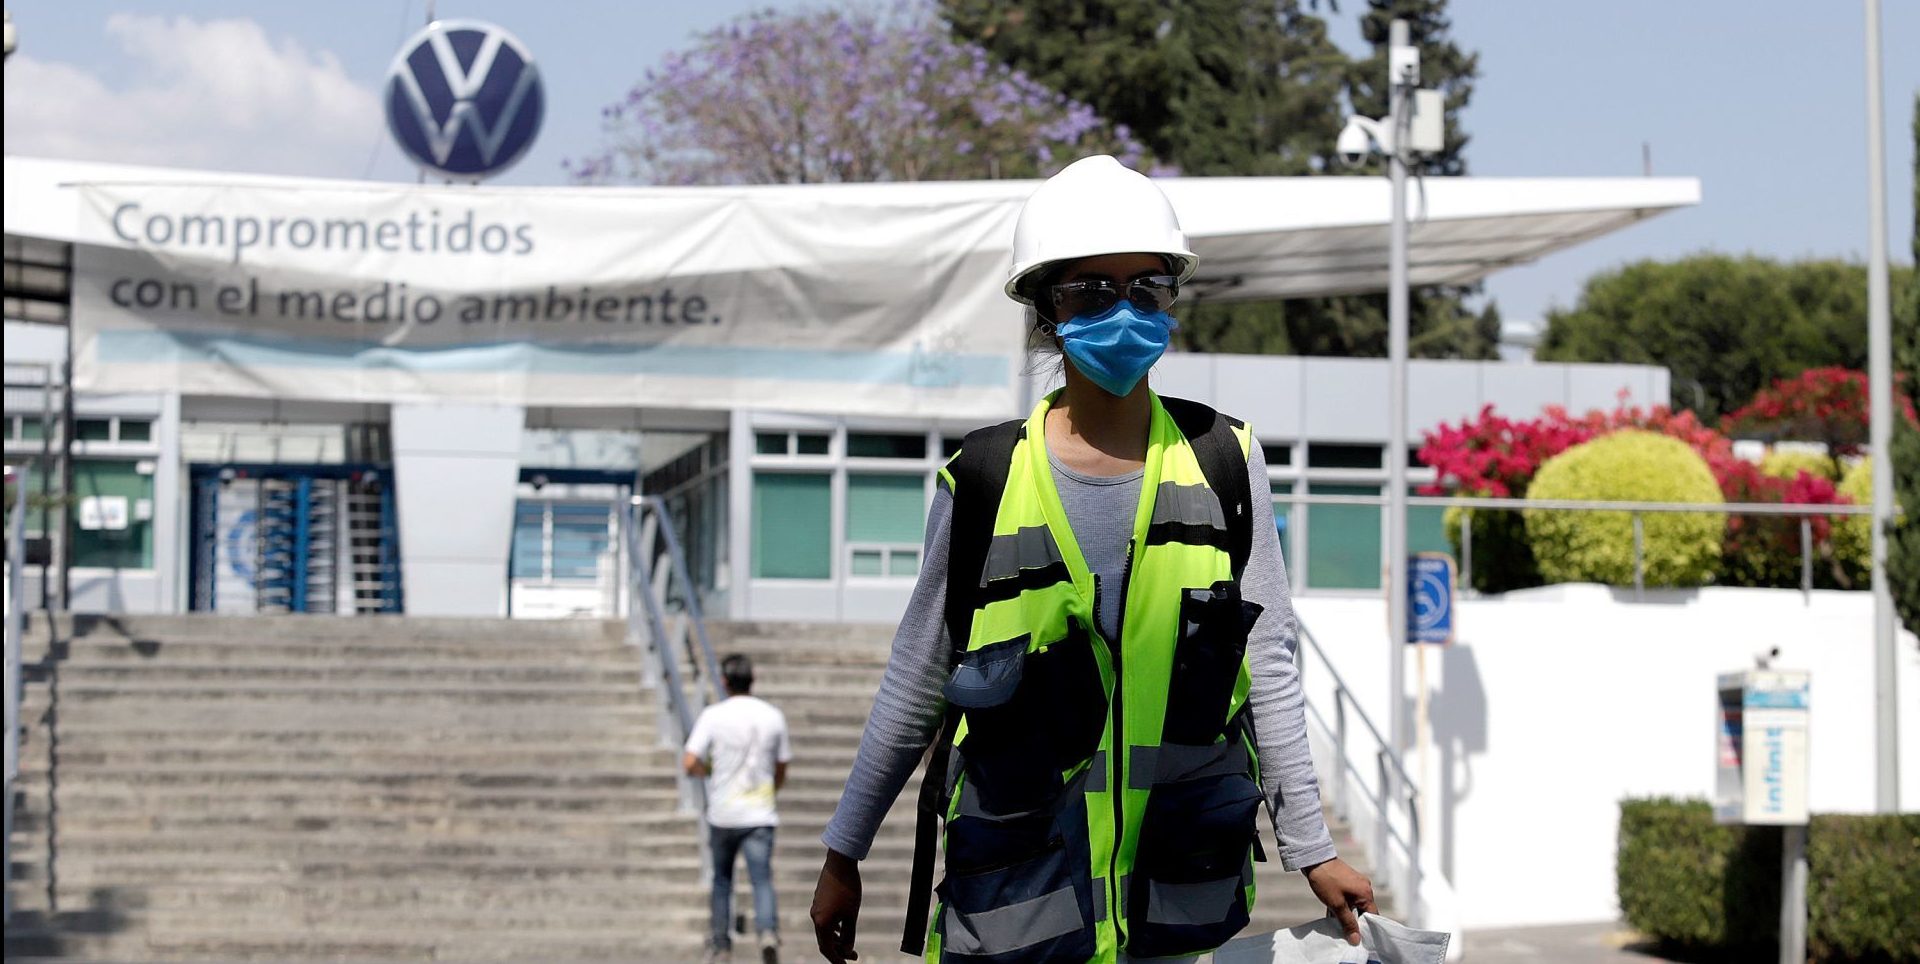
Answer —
(1430, 598)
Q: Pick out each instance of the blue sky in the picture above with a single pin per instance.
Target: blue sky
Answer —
(1763, 100)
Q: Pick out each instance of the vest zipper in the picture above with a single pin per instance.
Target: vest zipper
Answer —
(1119, 754)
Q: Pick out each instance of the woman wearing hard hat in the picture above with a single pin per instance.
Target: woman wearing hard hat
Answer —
(1099, 647)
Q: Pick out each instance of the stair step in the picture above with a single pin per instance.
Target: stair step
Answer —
(304, 788)
(435, 677)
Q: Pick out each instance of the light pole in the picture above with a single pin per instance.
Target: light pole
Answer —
(1405, 130)
(1398, 83)
(1880, 383)
(1415, 123)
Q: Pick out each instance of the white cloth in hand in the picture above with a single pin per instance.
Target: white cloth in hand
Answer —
(1322, 942)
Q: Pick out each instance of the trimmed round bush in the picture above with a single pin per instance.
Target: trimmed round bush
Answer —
(1680, 549)
(1789, 463)
(1853, 535)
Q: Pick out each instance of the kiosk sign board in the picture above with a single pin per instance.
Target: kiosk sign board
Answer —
(1761, 771)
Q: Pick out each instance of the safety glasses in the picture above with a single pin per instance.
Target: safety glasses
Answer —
(1082, 299)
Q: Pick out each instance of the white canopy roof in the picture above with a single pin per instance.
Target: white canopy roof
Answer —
(1258, 238)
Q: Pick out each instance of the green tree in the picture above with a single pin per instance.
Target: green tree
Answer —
(1217, 87)
(1903, 544)
(1237, 87)
(1443, 67)
(1724, 326)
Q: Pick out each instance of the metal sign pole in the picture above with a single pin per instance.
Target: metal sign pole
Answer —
(1880, 385)
(1397, 36)
(1793, 894)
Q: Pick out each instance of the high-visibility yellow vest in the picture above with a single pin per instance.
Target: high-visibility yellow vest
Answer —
(1102, 792)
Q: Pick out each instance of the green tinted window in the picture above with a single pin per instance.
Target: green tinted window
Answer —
(121, 490)
(770, 443)
(792, 528)
(1427, 528)
(136, 430)
(886, 508)
(1343, 541)
(93, 429)
(811, 445)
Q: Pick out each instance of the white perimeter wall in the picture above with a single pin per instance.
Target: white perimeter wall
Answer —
(1556, 703)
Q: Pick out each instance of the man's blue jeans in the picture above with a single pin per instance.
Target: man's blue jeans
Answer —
(756, 844)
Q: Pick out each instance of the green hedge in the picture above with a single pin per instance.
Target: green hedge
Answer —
(1680, 549)
(1714, 890)
(1502, 558)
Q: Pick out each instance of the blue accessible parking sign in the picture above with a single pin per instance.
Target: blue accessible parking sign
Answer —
(1430, 598)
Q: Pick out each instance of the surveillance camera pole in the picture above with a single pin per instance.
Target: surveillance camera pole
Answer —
(1880, 384)
(1398, 89)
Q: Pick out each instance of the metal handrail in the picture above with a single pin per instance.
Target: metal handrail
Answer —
(15, 619)
(1393, 777)
(1802, 511)
(1582, 505)
(1340, 688)
(678, 561)
(640, 575)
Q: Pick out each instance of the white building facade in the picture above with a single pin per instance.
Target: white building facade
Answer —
(341, 397)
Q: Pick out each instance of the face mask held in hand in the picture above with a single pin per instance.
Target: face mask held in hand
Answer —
(1115, 348)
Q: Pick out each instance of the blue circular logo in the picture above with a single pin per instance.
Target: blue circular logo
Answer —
(464, 99)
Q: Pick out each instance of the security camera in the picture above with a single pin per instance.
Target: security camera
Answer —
(1353, 146)
(1360, 138)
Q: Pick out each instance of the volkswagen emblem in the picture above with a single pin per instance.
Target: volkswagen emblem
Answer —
(464, 99)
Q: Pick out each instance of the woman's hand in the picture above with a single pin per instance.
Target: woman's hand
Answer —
(836, 906)
(1346, 891)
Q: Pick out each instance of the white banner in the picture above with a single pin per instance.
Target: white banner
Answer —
(751, 297)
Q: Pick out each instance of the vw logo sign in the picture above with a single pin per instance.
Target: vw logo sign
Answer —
(464, 99)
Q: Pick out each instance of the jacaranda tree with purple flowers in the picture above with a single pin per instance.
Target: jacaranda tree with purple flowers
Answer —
(842, 95)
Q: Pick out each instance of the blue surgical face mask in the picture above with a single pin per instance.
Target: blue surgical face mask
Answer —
(1116, 348)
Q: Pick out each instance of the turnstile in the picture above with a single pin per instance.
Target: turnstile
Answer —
(294, 539)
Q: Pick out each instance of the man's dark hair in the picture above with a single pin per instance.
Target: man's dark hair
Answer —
(737, 671)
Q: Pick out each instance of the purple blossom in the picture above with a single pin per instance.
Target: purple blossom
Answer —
(835, 95)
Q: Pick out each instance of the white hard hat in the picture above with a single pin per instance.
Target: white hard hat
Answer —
(1094, 206)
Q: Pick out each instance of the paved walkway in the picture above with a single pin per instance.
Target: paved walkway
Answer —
(1566, 944)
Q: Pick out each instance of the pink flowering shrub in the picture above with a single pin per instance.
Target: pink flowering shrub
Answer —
(1494, 455)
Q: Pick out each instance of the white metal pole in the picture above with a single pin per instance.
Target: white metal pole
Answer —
(1793, 894)
(1397, 402)
(1880, 384)
(1397, 126)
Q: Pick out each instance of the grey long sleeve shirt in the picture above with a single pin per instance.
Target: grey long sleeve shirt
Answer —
(909, 705)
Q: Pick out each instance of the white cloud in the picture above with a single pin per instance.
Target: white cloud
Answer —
(216, 94)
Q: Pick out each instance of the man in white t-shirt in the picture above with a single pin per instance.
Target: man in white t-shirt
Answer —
(740, 746)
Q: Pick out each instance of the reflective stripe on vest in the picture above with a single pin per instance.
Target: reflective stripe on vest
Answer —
(1035, 584)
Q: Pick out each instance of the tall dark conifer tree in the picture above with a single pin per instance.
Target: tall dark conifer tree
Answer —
(1241, 87)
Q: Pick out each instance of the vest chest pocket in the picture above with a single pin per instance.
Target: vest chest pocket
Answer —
(1188, 892)
(1031, 716)
(1206, 662)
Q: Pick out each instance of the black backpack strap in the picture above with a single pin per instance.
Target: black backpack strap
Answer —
(979, 474)
(1225, 467)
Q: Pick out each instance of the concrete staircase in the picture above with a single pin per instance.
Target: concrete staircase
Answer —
(314, 788)
(824, 677)
(309, 788)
